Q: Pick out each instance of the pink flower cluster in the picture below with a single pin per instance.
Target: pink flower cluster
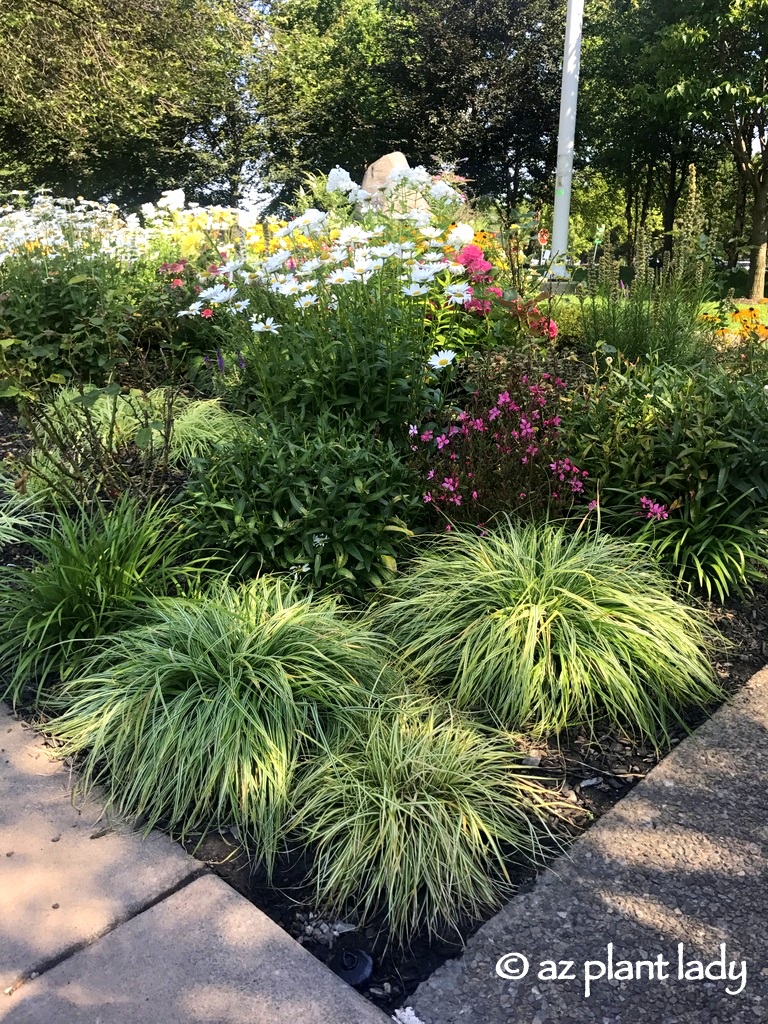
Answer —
(496, 455)
(479, 271)
(477, 266)
(482, 306)
(568, 472)
(650, 509)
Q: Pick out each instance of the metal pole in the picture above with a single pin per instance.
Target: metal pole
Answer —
(566, 134)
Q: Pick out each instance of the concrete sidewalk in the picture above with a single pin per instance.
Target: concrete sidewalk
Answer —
(98, 926)
(683, 859)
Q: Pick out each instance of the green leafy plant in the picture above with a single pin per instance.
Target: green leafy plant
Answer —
(69, 314)
(415, 818)
(657, 312)
(693, 441)
(92, 574)
(544, 629)
(199, 718)
(329, 502)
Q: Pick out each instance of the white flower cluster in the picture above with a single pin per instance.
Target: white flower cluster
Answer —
(339, 180)
(63, 225)
(311, 222)
(355, 258)
(403, 179)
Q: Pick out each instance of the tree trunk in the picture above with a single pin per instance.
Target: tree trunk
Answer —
(647, 194)
(628, 214)
(673, 193)
(759, 240)
(739, 219)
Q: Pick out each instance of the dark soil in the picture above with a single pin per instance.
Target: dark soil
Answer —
(595, 774)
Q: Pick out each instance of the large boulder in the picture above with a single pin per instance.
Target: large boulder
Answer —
(379, 174)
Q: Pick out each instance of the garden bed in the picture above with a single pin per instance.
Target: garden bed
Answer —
(595, 774)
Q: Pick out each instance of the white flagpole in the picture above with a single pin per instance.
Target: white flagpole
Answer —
(566, 135)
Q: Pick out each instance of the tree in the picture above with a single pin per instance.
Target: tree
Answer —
(479, 80)
(321, 89)
(633, 130)
(717, 61)
(344, 81)
(106, 96)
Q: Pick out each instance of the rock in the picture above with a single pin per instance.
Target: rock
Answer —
(594, 781)
(377, 177)
(378, 173)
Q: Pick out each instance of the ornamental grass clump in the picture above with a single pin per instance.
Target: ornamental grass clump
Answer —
(414, 819)
(543, 629)
(198, 718)
(93, 572)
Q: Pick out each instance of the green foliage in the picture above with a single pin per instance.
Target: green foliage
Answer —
(199, 718)
(415, 817)
(67, 314)
(20, 518)
(567, 315)
(544, 630)
(109, 441)
(93, 572)
(329, 501)
(695, 440)
(194, 426)
(658, 312)
(134, 96)
(361, 351)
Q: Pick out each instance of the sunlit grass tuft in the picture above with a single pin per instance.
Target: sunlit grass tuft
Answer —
(416, 817)
(93, 572)
(544, 629)
(198, 719)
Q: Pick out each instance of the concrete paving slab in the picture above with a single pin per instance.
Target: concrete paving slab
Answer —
(682, 861)
(203, 956)
(65, 877)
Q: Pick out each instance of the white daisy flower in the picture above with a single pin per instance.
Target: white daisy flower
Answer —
(218, 293)
(442, 359)
(413, 290)
(267, 326)
(305, 302)
(341, 276)
(289, 287)
(422, 272)
(458, 293)
(193, 310)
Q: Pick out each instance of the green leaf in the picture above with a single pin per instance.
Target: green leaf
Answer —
(143, 437)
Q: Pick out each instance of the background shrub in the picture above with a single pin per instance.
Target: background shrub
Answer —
(693, 442)
(543, 629)
(106, 441)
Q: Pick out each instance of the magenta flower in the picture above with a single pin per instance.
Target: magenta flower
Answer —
(653, 509)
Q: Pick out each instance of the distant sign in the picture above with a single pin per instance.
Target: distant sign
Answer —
(543, 236)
